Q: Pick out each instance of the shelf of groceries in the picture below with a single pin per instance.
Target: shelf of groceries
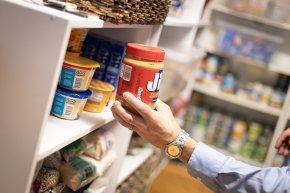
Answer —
(238, 157)
(251, 16)
(231, 98)
(216, 77)
(241, 137)
(75, 21)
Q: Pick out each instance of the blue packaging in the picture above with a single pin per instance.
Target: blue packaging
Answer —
(103, 57)
(115, 63)
(69, 104)
(90, 47)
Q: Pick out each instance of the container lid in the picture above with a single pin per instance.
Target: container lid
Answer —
(145, 52)
(76, 60)
(73, 94)
(100, 85)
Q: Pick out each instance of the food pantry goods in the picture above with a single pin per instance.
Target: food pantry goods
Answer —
(228, 132)
(141, 74)
(46, 178)
(74, 167)
(95, 145)
(77, 72)
(76, 40)
(81, 170)
(69, 104)
(101, 92)
(109, 53)
(215, 72)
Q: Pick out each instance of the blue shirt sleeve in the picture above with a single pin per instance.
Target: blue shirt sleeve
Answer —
(224, 174)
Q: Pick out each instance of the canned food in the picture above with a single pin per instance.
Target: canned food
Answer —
(141, 74)
(77, 72)
(69, 104)
(76, 40)
(101, 92)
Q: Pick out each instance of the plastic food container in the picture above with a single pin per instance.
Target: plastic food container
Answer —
(141, 74)
(101, 92)
(69, 104)
(243, 41)
(77, 72)
(76, 40)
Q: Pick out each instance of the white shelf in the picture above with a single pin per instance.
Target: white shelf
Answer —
(59, 133)
(191, 55)
(179, 22)
(238, 157)
(74, 20)
(132, 162)
(243, 102)
(251, 17)
(239, 59)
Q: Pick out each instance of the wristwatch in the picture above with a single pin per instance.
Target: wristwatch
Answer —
(174, 149)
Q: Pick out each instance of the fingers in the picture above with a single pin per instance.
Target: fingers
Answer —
(128, 117)
(143, 109)
(282, 139)
(120, 120)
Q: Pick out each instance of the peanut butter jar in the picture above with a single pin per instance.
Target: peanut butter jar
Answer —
(141, 74)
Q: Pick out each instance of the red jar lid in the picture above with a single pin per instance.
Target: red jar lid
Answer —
(145, 52)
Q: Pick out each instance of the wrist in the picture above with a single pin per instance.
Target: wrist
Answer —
(188, 149)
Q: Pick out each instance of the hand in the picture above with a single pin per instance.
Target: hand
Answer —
(158, 127)
(283, 143)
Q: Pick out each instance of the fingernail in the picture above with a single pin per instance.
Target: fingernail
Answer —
(126, 95)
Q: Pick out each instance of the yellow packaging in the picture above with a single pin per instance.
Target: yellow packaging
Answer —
(101, 92)
(76, 40)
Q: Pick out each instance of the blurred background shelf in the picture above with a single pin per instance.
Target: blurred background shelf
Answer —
(236, 100)
(178, 22)
(238, 157)
(224, 9)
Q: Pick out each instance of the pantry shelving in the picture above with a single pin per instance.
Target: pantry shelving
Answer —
(239, 59)
(59, 133)
(177, 22)
(248, 69)
(36, 64)
(230, 98)
(132, 162)
(224, 9)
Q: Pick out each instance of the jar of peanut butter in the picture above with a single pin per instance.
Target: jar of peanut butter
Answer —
(141, 74)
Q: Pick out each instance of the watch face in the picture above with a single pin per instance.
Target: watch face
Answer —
(173, 150)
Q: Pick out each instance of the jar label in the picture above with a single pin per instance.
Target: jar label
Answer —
(141, 82)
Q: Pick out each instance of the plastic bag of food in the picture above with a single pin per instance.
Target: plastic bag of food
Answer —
(46, 179)
(101, 141)
(76, 148)
(56, 189)
(81, 170)
(53, 161)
